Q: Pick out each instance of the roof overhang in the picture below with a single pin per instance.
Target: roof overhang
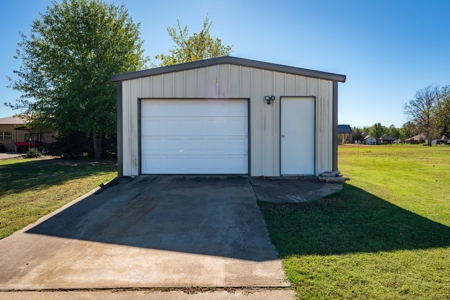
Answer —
(232, 61)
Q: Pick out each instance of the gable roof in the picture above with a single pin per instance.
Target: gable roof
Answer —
(344, 129)
(232, 61)
(11, 121)
(387, 138)
(417, 137)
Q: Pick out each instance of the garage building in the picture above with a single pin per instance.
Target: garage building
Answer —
(227, 115)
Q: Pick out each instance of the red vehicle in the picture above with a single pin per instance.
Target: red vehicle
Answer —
(22, 147)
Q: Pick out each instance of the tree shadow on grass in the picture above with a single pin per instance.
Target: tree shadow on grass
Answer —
(349, 222)
(40, 174)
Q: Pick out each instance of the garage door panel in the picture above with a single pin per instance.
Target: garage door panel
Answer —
(194, 137)
(194, 126)
(194, 145)
(152, 145)
(237, 145)
(174, 145)
(237, 126)
(238, 109)
(237, 163)
(156, 109)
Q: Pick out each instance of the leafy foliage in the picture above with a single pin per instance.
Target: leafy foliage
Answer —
(377, 131)
(443, 109)
(423, 111)
(33, 153)
(192, 48)
(72, 145)
(67, 62)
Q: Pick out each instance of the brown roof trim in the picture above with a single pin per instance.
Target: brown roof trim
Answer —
(232, 61)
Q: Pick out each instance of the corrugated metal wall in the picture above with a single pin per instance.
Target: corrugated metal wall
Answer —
(231, 81)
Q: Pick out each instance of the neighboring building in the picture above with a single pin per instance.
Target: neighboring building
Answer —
(385, 139)
(368, 140)
(445, 138)
(12, 130)
(227, 115)
(345, 131)
(415, 139)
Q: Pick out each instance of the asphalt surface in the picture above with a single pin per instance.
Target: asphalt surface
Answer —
(153, 231)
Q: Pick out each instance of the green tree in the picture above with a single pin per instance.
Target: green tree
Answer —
(67, 62)
(443, 109)
(392, 131)
(192, 48)
(408, 130)
(422, 111)
(377, 131)
(357, 133)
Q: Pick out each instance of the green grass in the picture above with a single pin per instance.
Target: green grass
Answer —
(32, 188)
(386, 235)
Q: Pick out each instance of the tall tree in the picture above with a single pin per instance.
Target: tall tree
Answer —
(192, 48)
(392, 131)
(377, 131)
(443, 109)
(357, 133)
(408, 130)
(422, 111)
(67, 62)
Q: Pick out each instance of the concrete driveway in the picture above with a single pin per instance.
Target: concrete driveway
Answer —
(153, 231)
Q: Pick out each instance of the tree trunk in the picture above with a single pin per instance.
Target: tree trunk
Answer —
(97, 139)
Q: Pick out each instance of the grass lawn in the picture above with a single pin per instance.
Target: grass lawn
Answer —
(32, 188)
(386, 235)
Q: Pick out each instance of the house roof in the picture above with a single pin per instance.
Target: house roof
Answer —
(417, 137)
(11, 121)
(344, 129)
(387, 138)
(368, 137)
(232, 61)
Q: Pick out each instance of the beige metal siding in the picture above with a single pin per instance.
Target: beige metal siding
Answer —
(232, 81)
(16, 136)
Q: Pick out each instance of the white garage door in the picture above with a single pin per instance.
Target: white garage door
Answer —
(194, 137)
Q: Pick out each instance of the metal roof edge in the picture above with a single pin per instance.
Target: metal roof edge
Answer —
(232, 61)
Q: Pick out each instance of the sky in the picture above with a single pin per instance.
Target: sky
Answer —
(387, 49)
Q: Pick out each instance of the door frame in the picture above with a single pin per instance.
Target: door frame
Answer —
(139, 102)
(315, 133)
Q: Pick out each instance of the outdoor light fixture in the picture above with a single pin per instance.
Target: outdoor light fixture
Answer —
(269, 98)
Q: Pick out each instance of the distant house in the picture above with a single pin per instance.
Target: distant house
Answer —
(12, 130)
(420, 138)
(385, 139)
(345, 130)
(368, 140)
(445, 138)
(415, 139)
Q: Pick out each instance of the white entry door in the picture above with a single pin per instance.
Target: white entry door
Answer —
(297, 136)
(194, 136)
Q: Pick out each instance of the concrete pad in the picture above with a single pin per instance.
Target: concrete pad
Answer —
(153, 231)
(138, 295)
(9, 155)
(292, 190)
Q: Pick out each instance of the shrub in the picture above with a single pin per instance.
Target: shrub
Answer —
(33, 153)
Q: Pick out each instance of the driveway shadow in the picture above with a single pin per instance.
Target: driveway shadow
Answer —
(205, 215)
(349, 222)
